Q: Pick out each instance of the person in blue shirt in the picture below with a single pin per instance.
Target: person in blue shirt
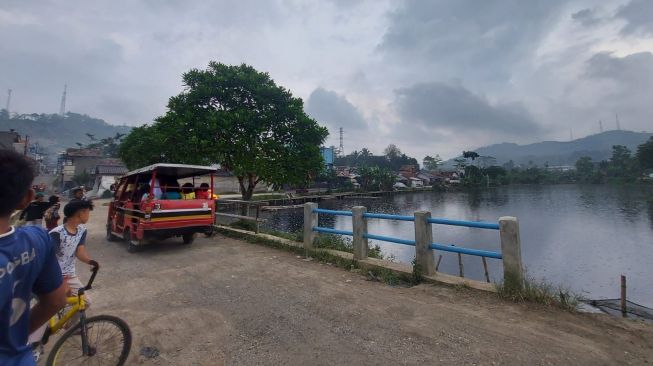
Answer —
(28, 264)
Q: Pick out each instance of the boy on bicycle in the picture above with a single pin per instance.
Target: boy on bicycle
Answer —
(27, 265)
(70, 242)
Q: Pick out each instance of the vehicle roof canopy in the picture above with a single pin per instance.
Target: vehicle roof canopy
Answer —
(174, 170)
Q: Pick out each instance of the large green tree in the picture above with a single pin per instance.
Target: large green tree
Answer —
(432, 163)
(585, 168)
(238, 117)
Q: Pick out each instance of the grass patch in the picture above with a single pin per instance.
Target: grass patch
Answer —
(243, 225)
(540, 292)
(343, 244)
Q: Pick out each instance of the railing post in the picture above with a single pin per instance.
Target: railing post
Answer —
(359, 225)
(423, 239)
(310, 221)
(513, 271)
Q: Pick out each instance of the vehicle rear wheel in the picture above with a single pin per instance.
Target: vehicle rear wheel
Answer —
(188, 238)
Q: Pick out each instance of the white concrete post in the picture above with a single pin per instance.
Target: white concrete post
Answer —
(423, 239)
(359, 225)
(513, 271)
(310, 221)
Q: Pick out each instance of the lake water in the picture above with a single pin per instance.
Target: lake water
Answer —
(580, 237)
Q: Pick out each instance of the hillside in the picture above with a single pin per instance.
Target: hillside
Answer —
(598, 147)
(54, 133)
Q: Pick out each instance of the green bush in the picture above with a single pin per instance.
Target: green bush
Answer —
(540, 292)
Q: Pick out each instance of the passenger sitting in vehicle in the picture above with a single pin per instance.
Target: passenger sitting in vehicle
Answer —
(187, 191)
(145, 191)
(171, 192)
(203, 192)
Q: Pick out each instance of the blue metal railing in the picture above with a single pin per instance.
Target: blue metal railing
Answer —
(476, 224)
(435, 246)
(455, 249)
(332, 231)
(388, 217)
(332, 212)
(389, 239)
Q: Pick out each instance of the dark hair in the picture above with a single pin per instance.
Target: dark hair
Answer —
(204, 185)
(76, 205)
(16, 176)
(53, 199)
(187, 187)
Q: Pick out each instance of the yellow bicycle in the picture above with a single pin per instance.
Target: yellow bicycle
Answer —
(98, 340)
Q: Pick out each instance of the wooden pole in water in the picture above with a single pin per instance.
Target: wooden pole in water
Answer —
(438, 264)
(460, 265)
(624, 310)
(487, 275)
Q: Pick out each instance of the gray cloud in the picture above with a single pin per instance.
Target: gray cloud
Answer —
(623, 85)
(472, 39)
(586, 17)
(639, 17)
(336, 111)
(635, 70)
(455, 108)
(123, 59)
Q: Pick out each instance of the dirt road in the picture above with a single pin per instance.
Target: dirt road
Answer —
(222, 301)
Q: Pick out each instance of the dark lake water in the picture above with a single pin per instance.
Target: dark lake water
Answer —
(580, 237)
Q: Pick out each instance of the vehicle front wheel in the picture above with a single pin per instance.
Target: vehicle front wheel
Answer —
(110, 236)
(109, 340)
(188, 238)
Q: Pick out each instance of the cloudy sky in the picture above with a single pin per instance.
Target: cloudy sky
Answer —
(429, 76)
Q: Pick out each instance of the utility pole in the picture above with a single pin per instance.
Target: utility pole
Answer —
(62, 108)
(617, 119)
(8, 100)
(600, 125)
(341, 148)
(571, 135)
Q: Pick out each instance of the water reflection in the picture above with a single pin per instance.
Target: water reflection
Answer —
(580, 236)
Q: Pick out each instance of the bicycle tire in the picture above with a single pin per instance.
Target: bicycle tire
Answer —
(123, 328)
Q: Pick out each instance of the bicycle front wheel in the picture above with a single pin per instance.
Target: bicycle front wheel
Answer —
(109, 340)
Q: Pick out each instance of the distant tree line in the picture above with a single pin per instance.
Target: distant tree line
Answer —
(392, 159)
(623, 166)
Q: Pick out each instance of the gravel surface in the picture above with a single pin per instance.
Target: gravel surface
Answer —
(223, 301)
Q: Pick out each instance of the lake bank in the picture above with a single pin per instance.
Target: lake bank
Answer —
(583, 237)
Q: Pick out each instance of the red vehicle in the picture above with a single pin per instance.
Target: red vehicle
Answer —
(161, 201)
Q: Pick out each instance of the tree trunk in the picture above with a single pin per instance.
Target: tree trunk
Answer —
(246, 192)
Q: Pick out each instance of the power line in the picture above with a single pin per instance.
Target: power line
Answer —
(62, 108)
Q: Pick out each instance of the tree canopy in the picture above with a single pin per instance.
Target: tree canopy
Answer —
(645, 154)
(238, 117)
(392, 159)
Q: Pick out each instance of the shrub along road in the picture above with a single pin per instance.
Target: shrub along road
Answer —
(224, 301)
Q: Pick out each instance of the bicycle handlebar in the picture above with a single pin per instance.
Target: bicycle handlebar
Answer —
(90, 281)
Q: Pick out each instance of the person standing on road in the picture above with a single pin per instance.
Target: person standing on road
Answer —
(51, 215)
(78, 193)
(33, 214)
(69, 239)
(27, 265)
